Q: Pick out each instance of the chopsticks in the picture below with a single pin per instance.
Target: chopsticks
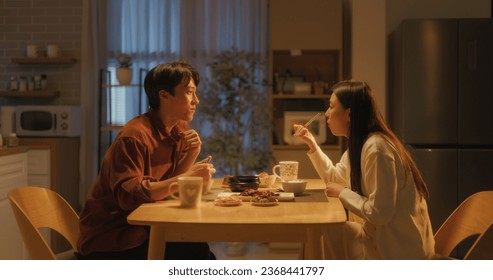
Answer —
(309, 122)
(312, 120)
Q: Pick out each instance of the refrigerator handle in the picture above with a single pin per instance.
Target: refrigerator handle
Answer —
(472, 55)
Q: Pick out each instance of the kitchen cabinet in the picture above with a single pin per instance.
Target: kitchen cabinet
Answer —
(108, 88)
(60, 165)
(39, 171)
(13, 173)
(305, 61)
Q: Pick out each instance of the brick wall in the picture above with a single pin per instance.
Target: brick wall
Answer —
(41, 22)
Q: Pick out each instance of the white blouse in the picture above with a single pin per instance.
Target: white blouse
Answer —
(397, 225)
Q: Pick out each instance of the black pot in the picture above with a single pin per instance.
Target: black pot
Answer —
(241, 183)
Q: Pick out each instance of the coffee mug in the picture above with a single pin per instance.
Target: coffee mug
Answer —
(189, 190)
(52, 50)
(207, 186)
(288, 170)
(32, 51)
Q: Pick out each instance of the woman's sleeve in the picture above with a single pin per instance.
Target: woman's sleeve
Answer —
(128, 172)
(379, 184)
(327, 170)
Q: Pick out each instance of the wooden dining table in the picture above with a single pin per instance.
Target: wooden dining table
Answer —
(291, 221)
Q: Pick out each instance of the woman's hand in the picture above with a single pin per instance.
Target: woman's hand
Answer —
(305, 135)
(333, 189)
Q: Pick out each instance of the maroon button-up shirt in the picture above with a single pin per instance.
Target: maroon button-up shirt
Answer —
(143, 150)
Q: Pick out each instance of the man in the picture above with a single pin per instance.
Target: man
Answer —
(149, 154)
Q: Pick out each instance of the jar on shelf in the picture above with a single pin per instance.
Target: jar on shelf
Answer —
(30, 83)
(44, 82)
(37, 82)
(14, 83)
(22, 84)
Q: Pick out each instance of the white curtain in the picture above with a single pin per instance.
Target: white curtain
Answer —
(92, 55)
(158, 31)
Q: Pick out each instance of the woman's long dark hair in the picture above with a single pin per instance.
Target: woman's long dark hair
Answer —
(365, 118)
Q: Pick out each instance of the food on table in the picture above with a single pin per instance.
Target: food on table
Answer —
(227, 201)
(252, 192)
(264, 198)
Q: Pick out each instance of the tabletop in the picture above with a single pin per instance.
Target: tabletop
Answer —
(286, 222)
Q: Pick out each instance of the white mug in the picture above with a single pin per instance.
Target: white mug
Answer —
(52, 51)
(207, 186)
(190, 191)
(32, 51)
(288, 170)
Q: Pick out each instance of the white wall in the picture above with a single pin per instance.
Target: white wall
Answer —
(373, 20)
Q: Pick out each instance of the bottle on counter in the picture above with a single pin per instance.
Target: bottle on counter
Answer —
(14, 84)
(13, 141)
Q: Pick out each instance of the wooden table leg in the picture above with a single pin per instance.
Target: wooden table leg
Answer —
(157, 243)
(314, 244)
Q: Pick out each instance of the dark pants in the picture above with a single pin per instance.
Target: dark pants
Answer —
(174, 251)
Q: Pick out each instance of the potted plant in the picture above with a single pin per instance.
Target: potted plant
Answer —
(124, 72)
(235, 106)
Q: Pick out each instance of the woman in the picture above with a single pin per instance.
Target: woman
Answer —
(376, 179)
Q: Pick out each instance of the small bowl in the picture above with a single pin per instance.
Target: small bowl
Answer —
(241, 183)
(266, 181)
(294, 186)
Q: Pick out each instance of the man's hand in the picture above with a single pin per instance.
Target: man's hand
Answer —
(192, 138)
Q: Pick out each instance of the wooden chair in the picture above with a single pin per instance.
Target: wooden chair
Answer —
(38, 207)
(474, 216)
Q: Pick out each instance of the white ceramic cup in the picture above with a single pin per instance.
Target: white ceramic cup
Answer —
(32, 51)
(288, 170)
(52, 50)
(190, 191)
(207, 186)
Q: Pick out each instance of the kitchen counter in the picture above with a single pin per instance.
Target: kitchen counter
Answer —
(4, 151)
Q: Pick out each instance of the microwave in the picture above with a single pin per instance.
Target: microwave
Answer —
(48, 120)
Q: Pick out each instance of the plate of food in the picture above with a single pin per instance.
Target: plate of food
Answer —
(227, 201)
(264, 200)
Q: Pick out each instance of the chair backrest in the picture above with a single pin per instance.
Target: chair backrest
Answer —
(38, 207)
(474, 216)
(482, 249)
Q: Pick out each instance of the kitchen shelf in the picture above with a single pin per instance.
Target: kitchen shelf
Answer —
(119, 86)
(112, 127)
(44, 60)
(108, 130)
(28, 94)
(300, 96)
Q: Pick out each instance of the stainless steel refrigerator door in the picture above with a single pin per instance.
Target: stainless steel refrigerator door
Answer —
(475, 172)
(475, 175)
(439, 170)
(476, 82)
(429, 81)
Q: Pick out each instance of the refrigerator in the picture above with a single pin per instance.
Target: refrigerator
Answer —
(441, 105)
